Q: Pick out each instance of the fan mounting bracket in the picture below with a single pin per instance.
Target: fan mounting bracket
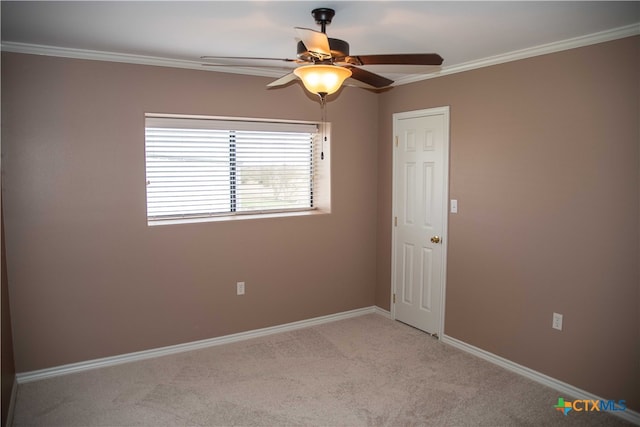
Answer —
(323, 16)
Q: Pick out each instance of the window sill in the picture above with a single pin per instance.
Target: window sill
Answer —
(226, 218)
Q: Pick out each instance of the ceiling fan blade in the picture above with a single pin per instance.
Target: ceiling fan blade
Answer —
(351, 82)
(247, 66)
(314, 41)
(248, 58)
(395, 59)
(283, 80)
(372, 79)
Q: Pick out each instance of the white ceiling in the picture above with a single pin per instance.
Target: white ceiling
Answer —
(177, 33)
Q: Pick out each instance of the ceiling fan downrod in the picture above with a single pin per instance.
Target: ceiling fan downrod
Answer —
(323, 17)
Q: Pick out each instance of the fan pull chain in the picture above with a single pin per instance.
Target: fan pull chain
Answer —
(323, 120)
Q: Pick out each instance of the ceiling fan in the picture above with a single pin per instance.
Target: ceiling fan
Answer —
(326, 62)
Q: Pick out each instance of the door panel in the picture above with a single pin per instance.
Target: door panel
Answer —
(420, 202)
(407, 276)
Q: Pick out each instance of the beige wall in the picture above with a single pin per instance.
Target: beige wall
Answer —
(89, 279)
(544, 164)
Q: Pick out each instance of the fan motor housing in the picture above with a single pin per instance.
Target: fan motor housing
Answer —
(339, 48)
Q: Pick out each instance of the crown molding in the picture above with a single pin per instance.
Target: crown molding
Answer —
(97, 55)
(600, 37)
(576, 42)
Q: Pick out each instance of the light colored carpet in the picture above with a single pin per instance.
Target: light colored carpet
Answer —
(367, 370)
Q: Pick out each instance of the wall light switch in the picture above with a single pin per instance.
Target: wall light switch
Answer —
(240, 288)
(454, 206)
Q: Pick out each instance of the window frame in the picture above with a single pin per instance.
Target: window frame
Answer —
(319, 187)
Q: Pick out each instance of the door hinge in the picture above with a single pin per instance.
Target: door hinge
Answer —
(395, 221)
(396, 140)
(394, 298)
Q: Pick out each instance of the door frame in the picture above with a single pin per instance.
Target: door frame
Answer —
(444, 111)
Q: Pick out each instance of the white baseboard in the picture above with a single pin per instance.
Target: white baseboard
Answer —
(383, 312)
(564, 388)
(25, 377)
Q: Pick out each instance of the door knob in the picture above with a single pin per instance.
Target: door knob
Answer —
(435, 239)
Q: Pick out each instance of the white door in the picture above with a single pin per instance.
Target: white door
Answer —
(420, 193)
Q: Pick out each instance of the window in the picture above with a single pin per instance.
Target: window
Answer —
(211, 168)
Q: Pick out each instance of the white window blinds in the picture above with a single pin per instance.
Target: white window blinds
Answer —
(201, 167)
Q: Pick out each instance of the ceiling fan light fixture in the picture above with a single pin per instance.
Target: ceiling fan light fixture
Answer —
(322, 79)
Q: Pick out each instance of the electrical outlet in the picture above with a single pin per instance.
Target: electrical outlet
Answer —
(557, 321)
(240, 288)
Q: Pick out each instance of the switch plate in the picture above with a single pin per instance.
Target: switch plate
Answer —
(557, 321)
(454, 206)
(240, 288)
